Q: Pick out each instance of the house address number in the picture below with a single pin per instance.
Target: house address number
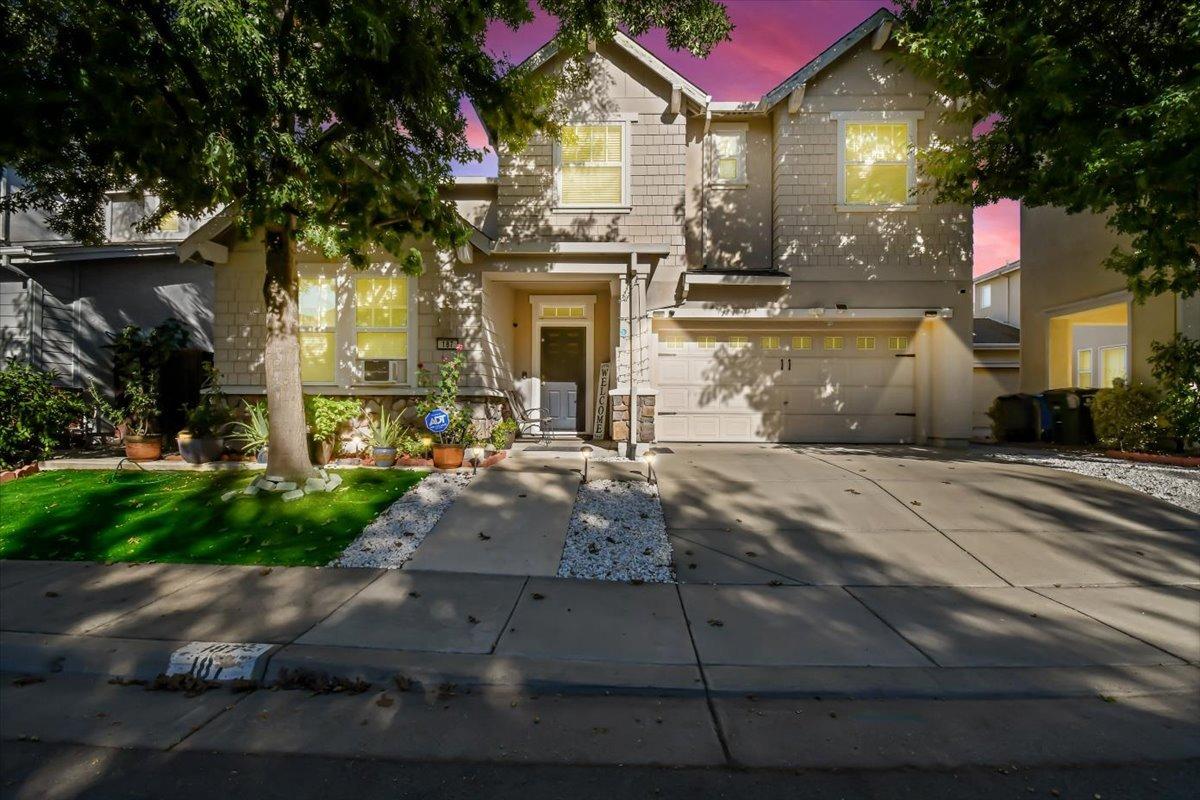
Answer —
(447, 342)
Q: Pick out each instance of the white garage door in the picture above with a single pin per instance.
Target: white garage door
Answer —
(791, 386)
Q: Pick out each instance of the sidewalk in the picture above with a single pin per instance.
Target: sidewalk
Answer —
(563, 635)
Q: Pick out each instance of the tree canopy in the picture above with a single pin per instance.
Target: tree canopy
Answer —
(342, 114)
(1096, 107)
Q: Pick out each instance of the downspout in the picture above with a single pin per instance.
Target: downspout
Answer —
(5, 221)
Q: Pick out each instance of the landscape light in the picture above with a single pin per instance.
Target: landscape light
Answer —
(586, 452)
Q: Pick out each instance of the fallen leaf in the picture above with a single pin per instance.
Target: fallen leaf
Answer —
(538, 596)
(384, 701)
(51, 594)
(483, 537)
(472, 620)
(716, 623)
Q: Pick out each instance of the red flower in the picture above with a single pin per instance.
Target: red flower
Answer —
(458, 346)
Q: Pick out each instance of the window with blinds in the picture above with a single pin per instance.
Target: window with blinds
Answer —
(875, 157)
(318, 320)
(381, 317)
(592, 165)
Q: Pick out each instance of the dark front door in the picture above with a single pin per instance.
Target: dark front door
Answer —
(564, 377)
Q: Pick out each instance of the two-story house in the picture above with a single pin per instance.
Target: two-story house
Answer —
(997, 341)
(61, 302)
(766, 270)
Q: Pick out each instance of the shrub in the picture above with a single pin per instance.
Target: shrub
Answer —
(1176, 367)
(326, 415)
(34, 413)
(445, 396)
(503, 434)
(387, 431)
(254, 433)
(1127, 415)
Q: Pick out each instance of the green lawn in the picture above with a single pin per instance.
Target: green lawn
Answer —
(179, 516)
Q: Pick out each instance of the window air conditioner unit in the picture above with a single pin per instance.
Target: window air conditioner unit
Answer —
(383, 370)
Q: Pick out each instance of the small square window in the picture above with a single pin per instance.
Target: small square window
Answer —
(769, 342)
(897, 343)
(673, 342)
(738, 342)
(802, 343)
(833, 343)
(865, 342)
(706, 342)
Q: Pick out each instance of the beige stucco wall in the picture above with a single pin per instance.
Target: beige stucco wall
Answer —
(1061, 257)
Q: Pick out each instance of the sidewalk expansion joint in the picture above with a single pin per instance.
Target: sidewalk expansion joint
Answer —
(508, 619)
(708, 695)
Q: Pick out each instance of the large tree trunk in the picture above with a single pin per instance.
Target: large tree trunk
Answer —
(287, 452)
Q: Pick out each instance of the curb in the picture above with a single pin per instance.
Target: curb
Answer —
(146, 659)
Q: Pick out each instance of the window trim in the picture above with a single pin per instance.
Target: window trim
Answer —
(347, 371)
(742, 129)
(625, 205)
(909, 117)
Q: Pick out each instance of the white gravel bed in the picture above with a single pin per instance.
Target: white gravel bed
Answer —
(617, 533)
(390, 539)
(1178, 485)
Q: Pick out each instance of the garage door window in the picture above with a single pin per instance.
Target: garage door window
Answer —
(833, 343)
(673, 342)
(802, 343)
(897, 343)
(865, 343)
(770, 343)
(706, 342)
(738, 342)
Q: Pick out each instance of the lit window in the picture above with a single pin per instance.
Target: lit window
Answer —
(706, 342)
(738, 342)
(865, 342)
(1083, 368)
(1112, 365)
(875, 163)
(169, 223)
(318, 316)
(985, 296)
(729, 155)
(563, 312)
(592, 165)
(802, 343)
(673, 342)
(897, 343)
(381, 317)
(833, 343)
(770, 343)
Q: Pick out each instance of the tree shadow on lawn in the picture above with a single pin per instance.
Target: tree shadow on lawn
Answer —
(180, 517)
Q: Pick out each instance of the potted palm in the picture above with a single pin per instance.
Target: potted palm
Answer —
(254, 432)
(386, 437)
(449, 445)
(141, 412)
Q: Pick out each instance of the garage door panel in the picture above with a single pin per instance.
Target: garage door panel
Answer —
(786, 395)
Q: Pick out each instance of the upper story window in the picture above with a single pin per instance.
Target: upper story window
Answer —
(985, 296)
(593, 165)
(728, 154)
(876, 158)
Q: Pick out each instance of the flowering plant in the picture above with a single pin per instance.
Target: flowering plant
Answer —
(444, 395)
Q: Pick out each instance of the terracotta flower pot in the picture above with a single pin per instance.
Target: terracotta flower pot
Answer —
(322, 452)
(384, 456)
(448, 456)
(143, 448)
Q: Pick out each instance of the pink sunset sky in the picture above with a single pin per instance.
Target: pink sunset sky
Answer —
(771, 40)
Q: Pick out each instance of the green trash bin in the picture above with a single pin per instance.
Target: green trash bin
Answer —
(1066, 415)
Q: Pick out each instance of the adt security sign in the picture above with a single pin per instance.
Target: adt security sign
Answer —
(437, 421)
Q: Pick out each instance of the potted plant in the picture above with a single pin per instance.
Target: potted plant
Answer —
(449, 445)
(254, 433)
(386, 437)
(141, 412)
(201, 441)
(326, 416)
(503, 435)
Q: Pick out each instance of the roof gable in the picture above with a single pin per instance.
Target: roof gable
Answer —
(867, 27)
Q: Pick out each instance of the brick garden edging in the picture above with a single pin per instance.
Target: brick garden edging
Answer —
(1155, 458)
(20, 472)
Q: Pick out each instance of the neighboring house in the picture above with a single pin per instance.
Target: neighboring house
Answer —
(764, 270)
(60, 302)
(1079, 325)
(997, 341)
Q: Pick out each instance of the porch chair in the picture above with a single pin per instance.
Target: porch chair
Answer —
(528, 419)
